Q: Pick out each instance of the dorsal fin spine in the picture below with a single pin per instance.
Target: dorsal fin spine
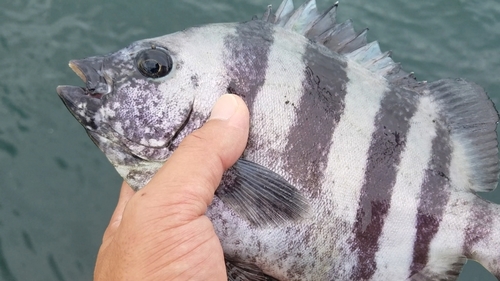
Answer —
(283, 12)
(338, 37)
(323, 22)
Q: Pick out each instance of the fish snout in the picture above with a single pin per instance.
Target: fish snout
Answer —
(90, 70)
(84, 102)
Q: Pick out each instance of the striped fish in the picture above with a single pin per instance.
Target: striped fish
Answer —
(354, 170)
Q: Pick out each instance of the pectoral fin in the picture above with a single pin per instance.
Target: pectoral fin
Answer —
(241, 271)
(260, 195)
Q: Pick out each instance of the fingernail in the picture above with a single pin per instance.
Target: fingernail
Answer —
(224, 108)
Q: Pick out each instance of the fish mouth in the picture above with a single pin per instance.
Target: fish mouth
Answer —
(90, 71)
(83, 102)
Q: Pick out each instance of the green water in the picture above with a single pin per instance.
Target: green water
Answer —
(57, 190)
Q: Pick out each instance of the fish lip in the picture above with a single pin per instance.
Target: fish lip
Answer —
(90, 71)
(74, 66)
(65, 92)
(84, 102)
(62, 91)
(82, 106)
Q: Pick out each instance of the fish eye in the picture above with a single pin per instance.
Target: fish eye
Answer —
(154, 63)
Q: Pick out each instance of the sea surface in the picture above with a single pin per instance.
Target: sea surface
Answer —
(57, 190)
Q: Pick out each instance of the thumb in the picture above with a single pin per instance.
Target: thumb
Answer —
(126, 193)
(193, 172)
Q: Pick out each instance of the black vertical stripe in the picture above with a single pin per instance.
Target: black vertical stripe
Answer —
(392, 124)
(317, 114)
(433, 198)
(246, 58)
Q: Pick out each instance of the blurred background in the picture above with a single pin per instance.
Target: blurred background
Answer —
(57, 190)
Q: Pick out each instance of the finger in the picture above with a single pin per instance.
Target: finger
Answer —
(195, 169)
(126, 192)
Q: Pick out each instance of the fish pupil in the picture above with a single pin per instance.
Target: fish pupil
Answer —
(152, 66)
(154, 63)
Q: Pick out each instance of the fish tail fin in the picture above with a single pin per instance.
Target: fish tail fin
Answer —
(482, 235)
(471, 118)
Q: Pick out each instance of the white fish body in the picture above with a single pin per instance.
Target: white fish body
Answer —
(353, 171)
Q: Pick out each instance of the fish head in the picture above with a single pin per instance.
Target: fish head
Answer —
(139, 103)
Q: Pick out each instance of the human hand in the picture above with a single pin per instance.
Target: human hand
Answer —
(161, 232)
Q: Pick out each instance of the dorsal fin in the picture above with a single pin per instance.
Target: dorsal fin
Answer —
(338, 37)
(301, 18)
(472, 120)
(355, 43)
(283, 13)
(323, 22)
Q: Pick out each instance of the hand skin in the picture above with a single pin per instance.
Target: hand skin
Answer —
(161, 232)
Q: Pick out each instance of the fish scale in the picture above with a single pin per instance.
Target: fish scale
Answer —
(354, 170)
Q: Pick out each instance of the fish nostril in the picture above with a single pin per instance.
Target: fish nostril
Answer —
(98, 91)
(109, 82)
